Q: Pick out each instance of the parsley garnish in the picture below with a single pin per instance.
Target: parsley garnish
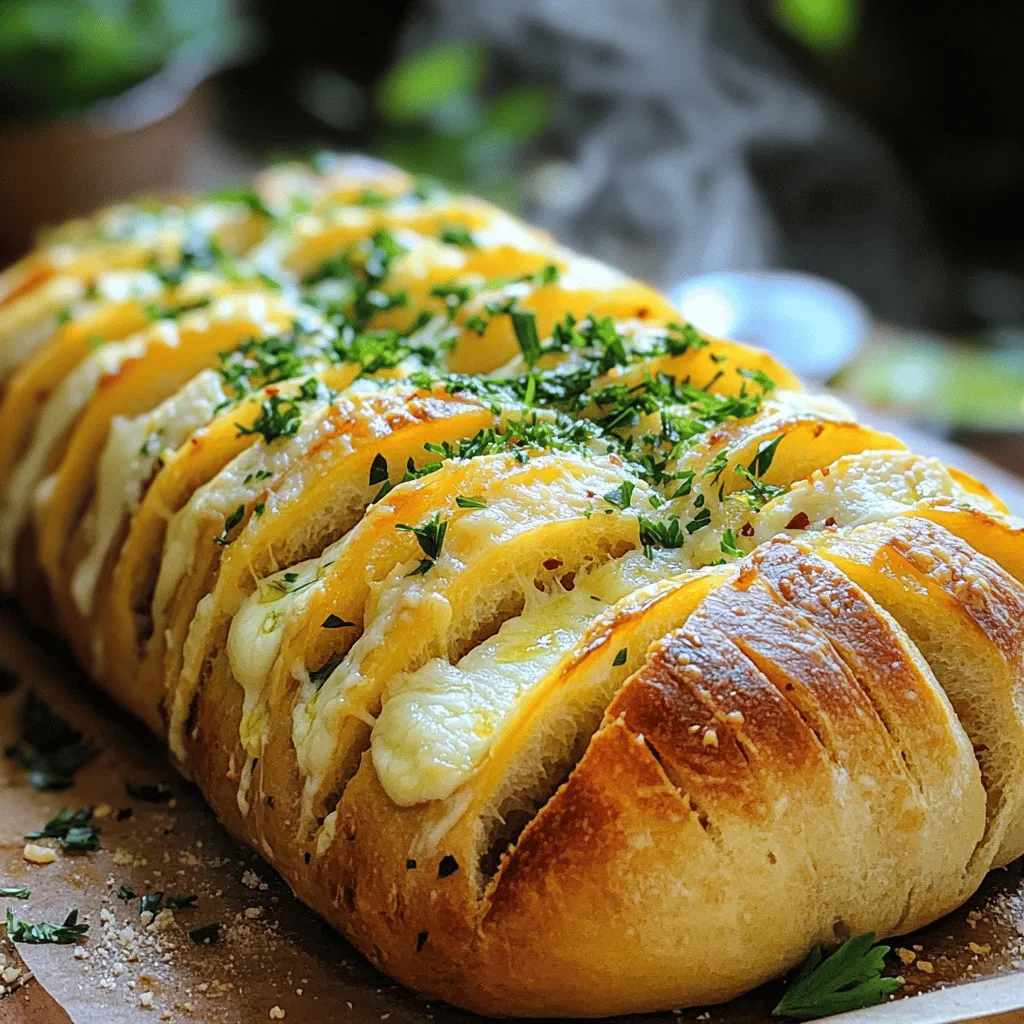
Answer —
(335, 622)
(229, 524)
(61, 934)
(457, 235)
(622, 495)
(464, 501)
(378, 469)
(47, 746)
(524, 324)
(72, 828)
(125, 892)
(664, 534)
(278, 417)
(430, 535)
(620, 658)
(15, 894)
(849, 979)
(728, 545)
(761, 462)
(321, 675)
(208, 935)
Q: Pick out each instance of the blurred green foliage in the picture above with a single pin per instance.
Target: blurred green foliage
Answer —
(434, 119)
(824, 26)
(926, 379)
(59, 56)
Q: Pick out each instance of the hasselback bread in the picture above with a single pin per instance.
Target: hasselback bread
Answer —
(569, 661)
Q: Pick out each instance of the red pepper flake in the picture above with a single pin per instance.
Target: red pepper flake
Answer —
(799, 522)
(747, 530)
(831, 521)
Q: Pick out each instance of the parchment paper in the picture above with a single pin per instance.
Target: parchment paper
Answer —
(276, 956)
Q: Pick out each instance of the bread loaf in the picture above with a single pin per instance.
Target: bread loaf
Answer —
(569, 661)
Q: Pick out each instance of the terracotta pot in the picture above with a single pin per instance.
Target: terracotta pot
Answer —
(135, 143)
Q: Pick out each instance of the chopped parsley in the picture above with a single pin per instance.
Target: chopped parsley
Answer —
(74, 829)
(620, 658)
(378, 469)
(464, 501)
(229, 524)
(322, 674)
(430, 535)
(335, 622)
(48, 747)
(728, 545)
(61, 934)
(125, 892)
(278, 417)
(208, 935)
(622, 495)
(455, 234)
(761, 462)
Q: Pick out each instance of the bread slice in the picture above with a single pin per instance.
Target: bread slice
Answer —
(966, 615)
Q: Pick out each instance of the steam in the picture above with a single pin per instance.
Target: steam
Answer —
(685, 144)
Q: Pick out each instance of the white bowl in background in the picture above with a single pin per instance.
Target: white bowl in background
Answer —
(811, 324)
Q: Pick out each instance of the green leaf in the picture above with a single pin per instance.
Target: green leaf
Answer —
(60, 934)
(378, 469)
(621, 496)
(825, 26)
(524, 323)
(430, 534)
(729, 545)
(761, 462)
(73, 829)
(15, 894)
(229, 524)
(464, 501)
(47, 746)
(522, 113)
(335, 622)
(431, 79)
(620, 658)
(849, 979)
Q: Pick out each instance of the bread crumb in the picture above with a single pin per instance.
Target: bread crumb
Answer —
(980, 950)
(710, 738)
(101, 811)
(253, 913)
(926, 966)
(735, 718)
(276, 1013)
(146, 1000)
(36, 854)
(908, 956)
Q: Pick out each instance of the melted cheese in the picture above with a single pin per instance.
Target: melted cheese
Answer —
(250, 474)
(133, 450)
(26, 325)
(868, 487)
(254, 640)
(438, 723)
(56, 418)
(555, 489)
